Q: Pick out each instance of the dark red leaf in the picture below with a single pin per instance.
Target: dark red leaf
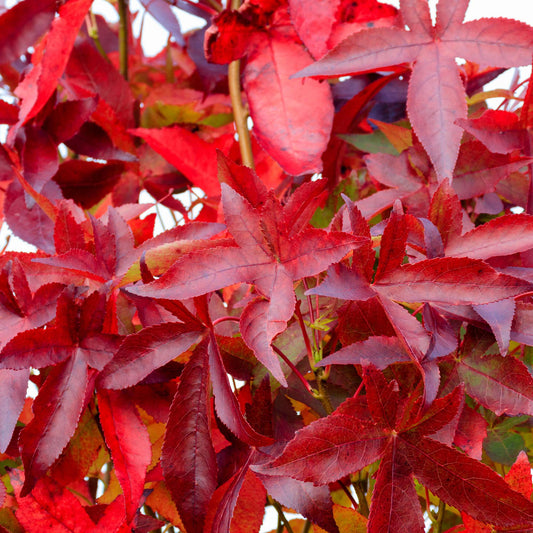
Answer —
(13, 387)
(465, 483)
(395, 505)
(188, 457)
(22, 25)
(57, 410)
(129, 444)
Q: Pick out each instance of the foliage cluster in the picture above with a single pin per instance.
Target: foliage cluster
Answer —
(339, 321)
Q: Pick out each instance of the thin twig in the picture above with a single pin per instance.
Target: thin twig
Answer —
(240, 114)
(282, 516)
(295, 370)
(123, 37)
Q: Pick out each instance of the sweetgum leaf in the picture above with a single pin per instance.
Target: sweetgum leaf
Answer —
(502, 384)
(22, 25)
(13, 387)
(519, 475)
(129, 444)
(188, 457)
(328, 449)
(57, 410)
(395, 505)
(436, 96)
(51, 506)
(226, 403)
(465, 483)
(42, 80)
(146, 351)
(305, 498)
(456, 281)
(280, 107)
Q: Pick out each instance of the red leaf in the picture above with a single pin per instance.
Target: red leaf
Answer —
(502, 384)
(195, 158)
(456, 281)
(505, 235)
(13, 387)
(446, 213)
(519, 475)
(499, 316)
(51, 507)
(22, 25)
(292, 119)
(395, 506)
(328, 449)
(305, 498)
(436, 97)
(188, 457)
(262, 321)
(465, 483)
(226, 404)
(248, 514)
(471, 431)
(146, 351)
(393, 243)
(57, 410)
(127, 439)
(49, 64)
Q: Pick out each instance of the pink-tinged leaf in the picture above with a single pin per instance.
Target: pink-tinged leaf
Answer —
(470, 433)
(367, 50)
(499, 316)
(292, 118)
(455, 281)
(51, 507)
(413, 337)
(446, 213)
(465, 483)
(505, 235)
(163, 13)
(191, 155)
(379, 351)
(188, 457)
(341, 282)
(226, 403)
(450, 13)
(395, 505)
(502, 384)
(50, 63)
(416, 14)
(22, 25)
(39, 157)
(500, 131)
(128, 441)
(495, 41)
(435, 79)
(478, 171)
(146, 351)
(393, 241)
(13, 387)
(314, 25)
(305, 498)
(313, 250)
(261, 321)
(328, 449)
(57, 410)
(443, 333)
(519, 475)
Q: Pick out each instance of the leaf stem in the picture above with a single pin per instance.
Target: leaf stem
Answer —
(348, 493)
(307, 527)
(123, 37)
(361, 498)
(281, 515)
(308, 347)
(92, 30)
(294, 369)
(323, 392)
(240, 113)
(225, 319)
